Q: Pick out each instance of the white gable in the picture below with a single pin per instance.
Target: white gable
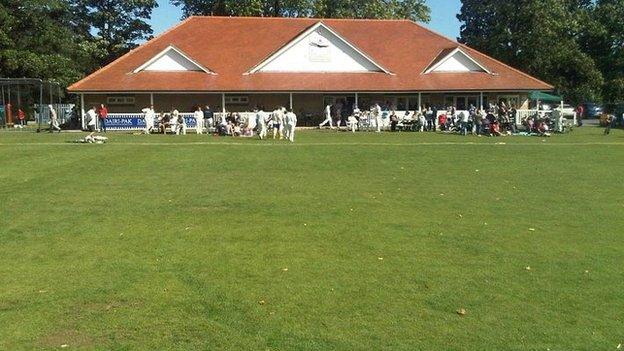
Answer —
(457, 61)
(171, 60)
(319, 49)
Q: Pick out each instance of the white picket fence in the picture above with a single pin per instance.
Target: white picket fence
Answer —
(522, 114)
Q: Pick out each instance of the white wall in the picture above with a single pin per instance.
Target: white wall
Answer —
(458, 63)
(305, 56)
(172, 61)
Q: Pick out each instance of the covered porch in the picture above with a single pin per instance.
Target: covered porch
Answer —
(309, 106)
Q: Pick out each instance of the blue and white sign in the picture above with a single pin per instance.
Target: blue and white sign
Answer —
(136, 121)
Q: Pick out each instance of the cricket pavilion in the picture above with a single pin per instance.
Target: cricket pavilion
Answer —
(235, 64)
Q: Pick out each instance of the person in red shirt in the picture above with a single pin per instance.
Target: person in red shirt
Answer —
(102, 114)
(442, 122)
(21, 116)
(580, 114)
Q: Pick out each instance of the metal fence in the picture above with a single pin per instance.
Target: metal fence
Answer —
(63, 113)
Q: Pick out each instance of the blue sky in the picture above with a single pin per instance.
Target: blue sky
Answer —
(443, 18)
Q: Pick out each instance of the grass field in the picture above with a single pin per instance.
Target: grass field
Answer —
(337, 242)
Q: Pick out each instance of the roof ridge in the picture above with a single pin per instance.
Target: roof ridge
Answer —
(105, 67)
(304, 18)
(455, 42)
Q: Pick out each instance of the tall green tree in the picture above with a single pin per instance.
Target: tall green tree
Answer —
(416, 10)
(267, 8)
(37, 40)
(605, 42)
(116, 26)
(410, 9)
(536, 36)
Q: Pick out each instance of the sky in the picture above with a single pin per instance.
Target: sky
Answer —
(443, 18)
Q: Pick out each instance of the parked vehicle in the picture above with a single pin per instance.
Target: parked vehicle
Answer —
(568, 110)
(592, 110)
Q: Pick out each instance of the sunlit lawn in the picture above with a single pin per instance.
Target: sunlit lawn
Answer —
(337, 242)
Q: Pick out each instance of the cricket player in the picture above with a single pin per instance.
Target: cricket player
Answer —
(91, 116)
(290, 125)
(53, 120)
(277, 121)
(199, 120)
(328, 118)
(353, 119)
(149, 116)
(377, 116)
(180, 122)
(261, 119)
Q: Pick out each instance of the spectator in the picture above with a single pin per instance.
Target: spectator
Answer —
(102, 114)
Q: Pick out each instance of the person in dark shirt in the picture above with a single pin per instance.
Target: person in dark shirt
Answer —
(208, 117)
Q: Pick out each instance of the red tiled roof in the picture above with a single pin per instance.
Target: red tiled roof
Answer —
(231, 46)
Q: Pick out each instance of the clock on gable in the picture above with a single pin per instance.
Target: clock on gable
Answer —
(320, 49)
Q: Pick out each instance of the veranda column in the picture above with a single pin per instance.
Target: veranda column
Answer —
(82, 110)
(223, 102)
(152, 99)
(290, 102)
(481, 100)
(419, 102)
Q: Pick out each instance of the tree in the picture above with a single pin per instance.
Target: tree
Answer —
(604, 40)
(266, 8)
(536, 36)
(411, 9)
(116, 25)
(416, 10)
(37, 41)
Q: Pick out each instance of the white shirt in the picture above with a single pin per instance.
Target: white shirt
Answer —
(52, 114)
(291, 119)
(199, 116)
(328, 111)
(261, 118)
(149, 113)
(278, 116)
(464, 117)
(91, 113)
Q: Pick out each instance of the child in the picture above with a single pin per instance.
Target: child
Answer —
(21, 116)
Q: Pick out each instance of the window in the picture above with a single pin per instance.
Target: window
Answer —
(120, 100)
(236, 100)
(461, 102)
(401, 104)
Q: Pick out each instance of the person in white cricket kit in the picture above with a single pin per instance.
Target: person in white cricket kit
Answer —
(53, 120)
(149, 116)
(199, 120)
(290, 124)
(353, 121)
(377, 116)
(91, 116)
(328, 118)
(261, 119)
(180, 123)
(277, 121)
